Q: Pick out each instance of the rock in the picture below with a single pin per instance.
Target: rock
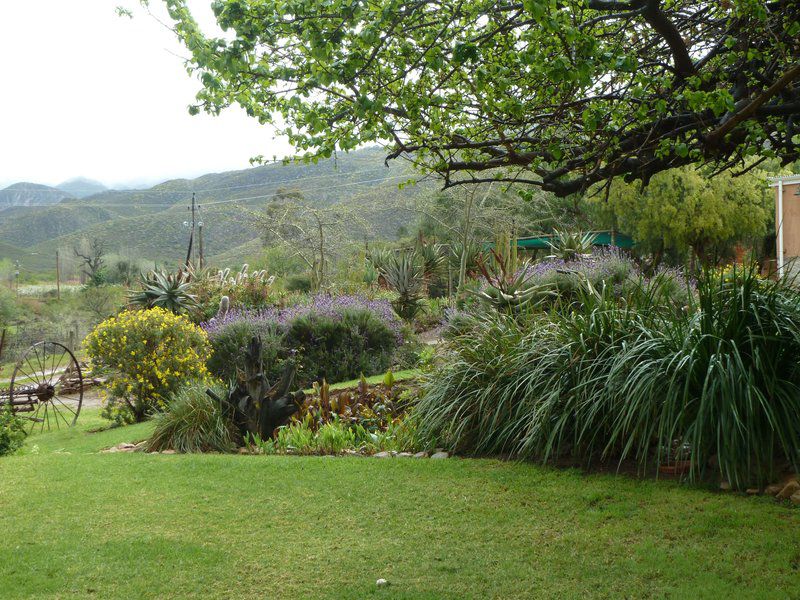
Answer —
(752, 491)
(168, 452)
(126, 446)
(795, 498)
(421, 455)
(381, 583)
(772, 490)
(404, 454)
(383, 454)
(724, 486)
(788, 490)
(440, 455)
(243, 450)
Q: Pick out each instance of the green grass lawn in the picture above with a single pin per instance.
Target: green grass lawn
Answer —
(79, 524)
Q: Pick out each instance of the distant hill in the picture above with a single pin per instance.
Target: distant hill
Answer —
(31, 194)
(80, 187)
(149, 223)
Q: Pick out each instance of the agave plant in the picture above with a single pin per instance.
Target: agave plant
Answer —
(170, 291)
(405, 276)
(570, 246)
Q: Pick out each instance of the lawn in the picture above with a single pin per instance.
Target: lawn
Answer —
(76, 523)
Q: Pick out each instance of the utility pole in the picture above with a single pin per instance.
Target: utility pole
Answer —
(200, 242)
(58, 277)
(191, 233)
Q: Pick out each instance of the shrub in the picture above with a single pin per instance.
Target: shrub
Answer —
(332, 337)
(341, 348)
(229, 343)
(610, 379)
(299, 282)
(194, 422)
(12, 432)
(149, 355)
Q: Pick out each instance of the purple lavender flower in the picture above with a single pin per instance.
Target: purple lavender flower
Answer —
(321, 304)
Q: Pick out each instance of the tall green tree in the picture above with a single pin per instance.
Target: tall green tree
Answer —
(560, 94)
(684, 208)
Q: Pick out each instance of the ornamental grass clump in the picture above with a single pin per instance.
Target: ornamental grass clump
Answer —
(148, 355)
(194, 422)
(632, 378)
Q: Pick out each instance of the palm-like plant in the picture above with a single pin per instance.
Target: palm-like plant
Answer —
(171, 291)
(405, 276)
(571, 245)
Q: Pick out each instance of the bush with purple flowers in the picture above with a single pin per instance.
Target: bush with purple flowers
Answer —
(335, 337)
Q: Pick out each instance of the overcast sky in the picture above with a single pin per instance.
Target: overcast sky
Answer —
(85, 92)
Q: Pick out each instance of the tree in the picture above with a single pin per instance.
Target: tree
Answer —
(92, 260)
(561, 95)
(313, 234)
(683, 208)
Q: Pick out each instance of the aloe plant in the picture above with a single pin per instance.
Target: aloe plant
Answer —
(570, 246)
(508, 290)
(405, 276)
(171, 291)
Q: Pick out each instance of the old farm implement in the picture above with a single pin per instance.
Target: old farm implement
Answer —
(46, 386)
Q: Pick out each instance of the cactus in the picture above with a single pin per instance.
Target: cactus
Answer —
(224, 307)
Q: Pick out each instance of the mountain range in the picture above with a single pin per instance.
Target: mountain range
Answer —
(36, 221)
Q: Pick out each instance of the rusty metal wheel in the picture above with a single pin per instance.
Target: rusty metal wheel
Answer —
(47, 383)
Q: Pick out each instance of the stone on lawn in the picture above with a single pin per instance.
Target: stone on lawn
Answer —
(795, 498)
(383, 454)
(789, 490)
(440, 455)
(381, 583)
(773, 489)
(421, 455)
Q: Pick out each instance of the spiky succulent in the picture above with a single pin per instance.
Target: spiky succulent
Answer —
(405, 276)
(507, 290)
(171, 291)
(569, 246)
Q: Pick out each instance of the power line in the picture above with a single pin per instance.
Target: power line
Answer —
(200, 191)
(232, 200)
(275, 187)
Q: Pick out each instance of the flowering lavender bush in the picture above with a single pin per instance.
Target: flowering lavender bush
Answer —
(321, 305)
(336, 337)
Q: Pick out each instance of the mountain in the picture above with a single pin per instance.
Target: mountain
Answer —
(31, 194)
(80, 187)
(150, 223)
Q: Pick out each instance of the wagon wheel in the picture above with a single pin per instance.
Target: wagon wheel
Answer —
(48, 382)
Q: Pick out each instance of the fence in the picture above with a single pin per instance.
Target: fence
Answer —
(19, 337)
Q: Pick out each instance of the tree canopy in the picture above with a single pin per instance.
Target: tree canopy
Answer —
(684, 208)
(560, 94)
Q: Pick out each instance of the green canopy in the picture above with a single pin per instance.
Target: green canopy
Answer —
(602, 238)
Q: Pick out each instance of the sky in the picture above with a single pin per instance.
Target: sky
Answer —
(87, 93)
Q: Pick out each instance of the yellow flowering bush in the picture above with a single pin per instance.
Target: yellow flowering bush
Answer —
(148, 355)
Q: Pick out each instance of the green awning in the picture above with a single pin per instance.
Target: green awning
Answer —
(602, 238)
